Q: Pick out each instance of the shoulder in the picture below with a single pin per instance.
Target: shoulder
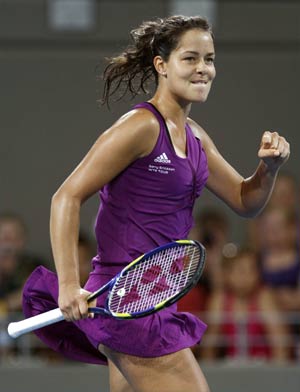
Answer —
(137, 121)
(200, 133)
(266, 298)
(138, 127)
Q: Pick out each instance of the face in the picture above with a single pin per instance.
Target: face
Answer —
(190, 70)
(12, 237)
(284, 194)
(243, 276)
(275, 230)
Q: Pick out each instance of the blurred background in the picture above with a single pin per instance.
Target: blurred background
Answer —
(51, 52)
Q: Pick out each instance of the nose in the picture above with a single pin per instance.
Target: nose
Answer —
(201, 66)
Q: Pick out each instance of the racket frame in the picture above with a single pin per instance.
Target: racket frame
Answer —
(163, 304)
(16, 329)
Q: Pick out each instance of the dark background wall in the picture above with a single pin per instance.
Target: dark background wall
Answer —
(49, 116)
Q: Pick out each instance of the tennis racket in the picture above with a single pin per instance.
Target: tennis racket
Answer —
(151, 282)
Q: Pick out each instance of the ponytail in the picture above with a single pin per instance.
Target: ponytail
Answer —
(133, 69)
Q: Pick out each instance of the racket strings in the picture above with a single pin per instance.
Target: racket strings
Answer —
(156, 279)
(168, 284)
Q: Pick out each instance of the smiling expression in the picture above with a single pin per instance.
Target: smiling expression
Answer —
(190, 69)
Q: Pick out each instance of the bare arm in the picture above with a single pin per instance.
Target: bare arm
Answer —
(133, 136)
(277, 331)
(246, 196)
(288, 298)
(211, 339)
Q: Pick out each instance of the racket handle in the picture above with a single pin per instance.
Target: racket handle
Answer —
(32, 323)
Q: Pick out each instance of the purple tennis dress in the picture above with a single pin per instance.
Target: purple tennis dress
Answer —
(147, 205)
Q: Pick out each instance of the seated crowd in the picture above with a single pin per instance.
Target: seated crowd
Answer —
(249, 294)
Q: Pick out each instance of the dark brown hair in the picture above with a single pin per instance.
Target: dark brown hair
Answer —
(131, 70)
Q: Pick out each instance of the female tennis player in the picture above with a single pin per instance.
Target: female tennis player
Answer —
(149, 168)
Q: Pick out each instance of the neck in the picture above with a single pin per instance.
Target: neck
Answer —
(170, 108)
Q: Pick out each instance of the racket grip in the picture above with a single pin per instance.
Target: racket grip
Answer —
(32, 323)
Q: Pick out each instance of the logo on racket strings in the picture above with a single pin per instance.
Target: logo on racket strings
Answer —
(121, 292)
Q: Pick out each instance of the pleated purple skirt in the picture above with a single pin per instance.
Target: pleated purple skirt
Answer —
(161, 333)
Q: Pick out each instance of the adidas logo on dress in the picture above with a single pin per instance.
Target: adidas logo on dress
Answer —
(163, 158)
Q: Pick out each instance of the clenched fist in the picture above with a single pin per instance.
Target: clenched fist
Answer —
(274, 150)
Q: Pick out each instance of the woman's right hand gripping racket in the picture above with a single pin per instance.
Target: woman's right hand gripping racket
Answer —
(151, 282)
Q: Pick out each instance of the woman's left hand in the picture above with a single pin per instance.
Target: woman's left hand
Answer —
(92, 303)
(274, 150)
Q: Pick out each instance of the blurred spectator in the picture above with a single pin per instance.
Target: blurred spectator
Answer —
(284, 196)
(285, 193)
(212, 230)
(280, 262)
(275, 235)
(244, 314)
(16, 262)
(279, 255)
(86, 251)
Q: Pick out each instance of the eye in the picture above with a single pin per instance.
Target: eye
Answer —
(190, 58)
(210, 60)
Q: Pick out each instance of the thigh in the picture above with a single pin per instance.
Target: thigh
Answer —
(117, 382)
(175, 372)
